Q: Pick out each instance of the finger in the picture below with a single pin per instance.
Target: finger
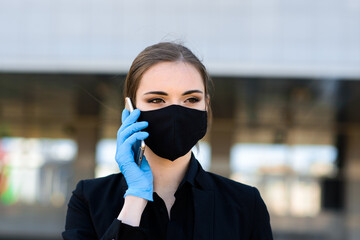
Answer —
(134, 115)
(135, 137)
(127, 166)
(129, 118)
(135, 127)
(124, 115)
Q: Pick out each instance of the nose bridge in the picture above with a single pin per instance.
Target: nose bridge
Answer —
(176, 101)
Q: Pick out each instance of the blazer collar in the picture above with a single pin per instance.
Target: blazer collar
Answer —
(195, 175)
(204, 203)
(202, 179)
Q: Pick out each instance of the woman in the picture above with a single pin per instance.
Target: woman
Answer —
(169, 196)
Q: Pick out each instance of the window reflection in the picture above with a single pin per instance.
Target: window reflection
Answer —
(288, 176)
(105, 156)
(35, 170)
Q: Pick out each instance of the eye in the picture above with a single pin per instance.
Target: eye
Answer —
(192, 100)
(155, 100)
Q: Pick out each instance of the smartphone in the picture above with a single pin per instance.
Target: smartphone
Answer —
(138, 148)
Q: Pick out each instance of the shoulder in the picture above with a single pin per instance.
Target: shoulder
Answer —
(241, 203)
(102, 180)
(231, 185)
(231, 190)
(94, 205)
(100, 186)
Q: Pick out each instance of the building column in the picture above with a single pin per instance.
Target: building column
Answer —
(86, 137)
(352, 190)
(223, 125)
(87, 128)
(221, 140)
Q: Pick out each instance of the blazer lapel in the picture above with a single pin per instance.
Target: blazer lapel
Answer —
(204, 203)
(203, 214)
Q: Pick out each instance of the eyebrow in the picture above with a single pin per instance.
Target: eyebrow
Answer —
(191, 91)
(165, 94)
(156, 92)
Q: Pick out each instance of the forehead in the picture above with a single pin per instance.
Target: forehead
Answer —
(171, 76)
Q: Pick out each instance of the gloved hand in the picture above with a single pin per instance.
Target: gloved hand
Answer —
(138, 179)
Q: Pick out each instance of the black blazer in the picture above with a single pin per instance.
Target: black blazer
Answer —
(223, 209)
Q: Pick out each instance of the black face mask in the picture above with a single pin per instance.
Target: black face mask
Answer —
(174, 130)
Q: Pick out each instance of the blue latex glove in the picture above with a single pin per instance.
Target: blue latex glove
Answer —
(138, 179)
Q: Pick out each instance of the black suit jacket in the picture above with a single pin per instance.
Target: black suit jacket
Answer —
(223, 209)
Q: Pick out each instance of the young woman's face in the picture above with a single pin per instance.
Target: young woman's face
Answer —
(168, 83)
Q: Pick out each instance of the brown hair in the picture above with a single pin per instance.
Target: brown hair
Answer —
(164, 52)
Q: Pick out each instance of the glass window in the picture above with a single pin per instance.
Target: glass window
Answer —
(287, 175)
(35, 170)
(105, 156)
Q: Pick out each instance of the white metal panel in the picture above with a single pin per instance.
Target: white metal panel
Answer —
(249, 37)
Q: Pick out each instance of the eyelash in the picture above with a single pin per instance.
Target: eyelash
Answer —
(193, 100)
(155, 100)
(159, 100)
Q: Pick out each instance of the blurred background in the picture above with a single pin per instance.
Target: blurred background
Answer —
(286, 103)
